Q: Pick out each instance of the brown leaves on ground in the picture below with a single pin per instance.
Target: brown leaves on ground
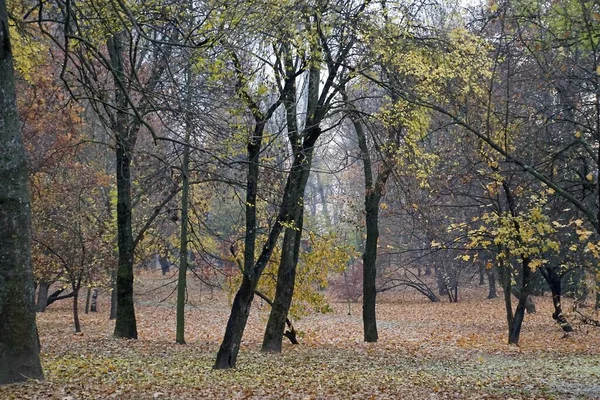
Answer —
(426, 350)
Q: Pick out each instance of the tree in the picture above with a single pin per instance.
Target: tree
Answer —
(19, 343)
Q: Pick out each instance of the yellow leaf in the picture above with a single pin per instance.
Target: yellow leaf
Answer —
(589, 177)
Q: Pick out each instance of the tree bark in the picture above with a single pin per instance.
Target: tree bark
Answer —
(491, 284)
(94, 303)
(240, 310)
(88, 296)
(370, 267)
(19, 343)
(125, 326)
(519, 315)
(42, 296)
(183, 242)
(76, 322)
(286, 274)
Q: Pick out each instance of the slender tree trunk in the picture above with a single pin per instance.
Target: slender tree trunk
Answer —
(441, 281)
(125, 326)
(491, 284)
(183, 242)
(19, 343)
(370, 268)
(482, 276)
(88, 296)
(506, 281)
(94, 304)
(42, 299)
(76, 322)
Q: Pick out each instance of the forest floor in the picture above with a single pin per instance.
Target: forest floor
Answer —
(425, 351)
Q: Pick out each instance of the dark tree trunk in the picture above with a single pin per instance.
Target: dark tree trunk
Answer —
(519, 315)
(94, 304)
(482, 276)
(76, 322)
(294, 199)
(183, 240)
(42, 298)
(286, 274)
(373, 191)
(230, 346)
(88, 296)
(491, 284)
(370, 268)
(19, 343)
(506, 282)
(125, 326)
(441, 281)
(555, 283)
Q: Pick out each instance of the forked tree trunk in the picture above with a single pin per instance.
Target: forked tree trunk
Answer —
(302, 149)
(19, 343)
(519, 315)
(286, 274)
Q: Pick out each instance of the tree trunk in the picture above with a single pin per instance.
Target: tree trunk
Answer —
(228, 351)
(76, 323)
(125, 326)
(286, 274)
(441, 281)
(519, 316)
(370, 268)
(555, 283)
(482, 276)
(506, 282)
(88, 296)
(42, 296)
(183, 242)
(294, 205)
(491, 284)
(94, 304)
(373, 191)
(19, 343)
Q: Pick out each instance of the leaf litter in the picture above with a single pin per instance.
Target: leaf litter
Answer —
(425, 351)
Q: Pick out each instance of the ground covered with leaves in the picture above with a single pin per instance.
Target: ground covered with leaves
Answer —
(425, 351)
